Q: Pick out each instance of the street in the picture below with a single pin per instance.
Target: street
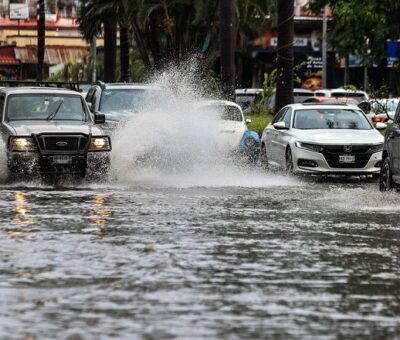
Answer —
(221, 253)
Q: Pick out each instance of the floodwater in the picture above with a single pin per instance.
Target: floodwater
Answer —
(238, 255)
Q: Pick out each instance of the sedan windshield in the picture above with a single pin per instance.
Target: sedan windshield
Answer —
(45, 107)
(331, 119)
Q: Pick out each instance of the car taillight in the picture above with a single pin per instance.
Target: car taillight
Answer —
(380, 119)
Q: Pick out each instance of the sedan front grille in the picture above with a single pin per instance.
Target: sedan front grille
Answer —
(362, 154)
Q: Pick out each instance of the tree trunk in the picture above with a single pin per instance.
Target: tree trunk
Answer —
(284, 86)
(346, 70)
(41, 39)
(124, 52)
(227, 45)
(140, 43)
(152, 34)
(110, 47)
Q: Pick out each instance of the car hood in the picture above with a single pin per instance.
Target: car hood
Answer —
(337, 136)
(28, 127)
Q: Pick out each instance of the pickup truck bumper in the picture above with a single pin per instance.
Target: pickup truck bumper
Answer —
(59, 155)
(31, 164)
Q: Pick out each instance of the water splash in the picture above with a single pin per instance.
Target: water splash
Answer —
(170, 142)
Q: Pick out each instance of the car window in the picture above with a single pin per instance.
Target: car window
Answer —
(397, 115)
(319, 94)
(287, 118)
(128, 100)
(279, 115)
(1, 105)
(90, 95)
(45, 106)
(225, 112)
(331, 119)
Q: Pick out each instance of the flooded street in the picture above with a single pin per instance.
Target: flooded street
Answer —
(239, 256)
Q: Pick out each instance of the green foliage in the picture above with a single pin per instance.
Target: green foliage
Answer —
(259, 122)
(350, 87)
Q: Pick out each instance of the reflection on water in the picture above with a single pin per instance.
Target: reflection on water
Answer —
(22, 219)
(99, 214)
(316, 260)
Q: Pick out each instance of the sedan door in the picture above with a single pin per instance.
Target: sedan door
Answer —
(272, 137)
(283, 137)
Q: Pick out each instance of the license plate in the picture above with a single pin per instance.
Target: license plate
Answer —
(61, 159)
(347, 158)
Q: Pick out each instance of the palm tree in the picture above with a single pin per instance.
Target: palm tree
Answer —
(284, 86)
(41, 39)
(107, 13)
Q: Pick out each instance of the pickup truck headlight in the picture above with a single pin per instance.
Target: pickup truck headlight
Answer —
(22, 144)
(100, 144)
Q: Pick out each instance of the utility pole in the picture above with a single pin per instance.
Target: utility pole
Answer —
(324, 48)
(94, 59)
(41, 39)
(227, 45)
(284, 86)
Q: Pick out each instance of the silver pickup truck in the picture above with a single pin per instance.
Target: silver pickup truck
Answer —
(51, 132)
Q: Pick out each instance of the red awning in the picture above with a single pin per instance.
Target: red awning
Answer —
(7, 56)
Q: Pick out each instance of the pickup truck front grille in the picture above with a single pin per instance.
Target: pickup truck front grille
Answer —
(61, 144)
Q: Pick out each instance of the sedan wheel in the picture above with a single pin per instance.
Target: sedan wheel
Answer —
(289, 161)
(385, 180)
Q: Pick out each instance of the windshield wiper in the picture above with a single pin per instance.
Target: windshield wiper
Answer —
(53, 114)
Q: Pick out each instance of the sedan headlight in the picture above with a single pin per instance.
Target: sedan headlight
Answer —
(22, 144)
(376, 148)
(310, 147)
(100, 144)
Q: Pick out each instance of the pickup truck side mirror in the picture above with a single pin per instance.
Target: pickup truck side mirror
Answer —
(99, 118)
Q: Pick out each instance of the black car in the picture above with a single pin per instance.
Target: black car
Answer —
(390, 170)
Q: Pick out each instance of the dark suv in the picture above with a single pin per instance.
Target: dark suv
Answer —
(390, 170)
(118, 102)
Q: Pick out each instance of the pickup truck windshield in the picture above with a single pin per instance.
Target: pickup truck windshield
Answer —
(45, 107)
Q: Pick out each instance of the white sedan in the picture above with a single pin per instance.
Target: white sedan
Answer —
(233, 135)
(322, 139)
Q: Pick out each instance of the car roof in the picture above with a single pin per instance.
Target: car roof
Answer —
(248, 91)
(302, 106)
(218, 102)
(128, 86)
(298, 90)
(36, 90)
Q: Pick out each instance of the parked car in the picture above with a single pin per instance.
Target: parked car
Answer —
(359, 96)
(234, 136)
(244, 97)
(322, 139)
(118, 102)
(50, 132)
(332, 100)
(390, 171)
(383, 110)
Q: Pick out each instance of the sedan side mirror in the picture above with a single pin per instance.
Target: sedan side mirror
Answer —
(280, 126)
(380, 126)
(99, 118)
